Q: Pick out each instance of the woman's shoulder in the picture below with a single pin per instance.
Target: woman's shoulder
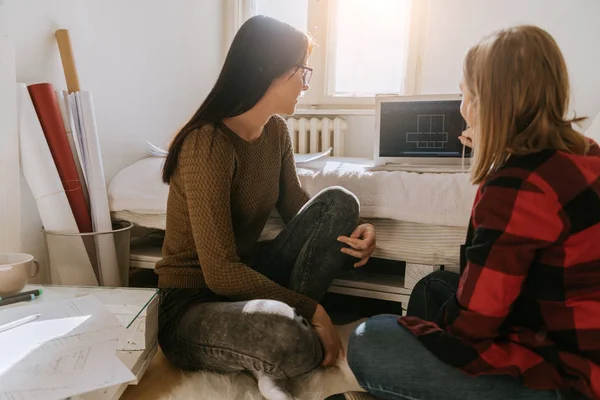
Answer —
(277, 129)
(206, 140)
(277, 125)
(277, 121)
(546, 172)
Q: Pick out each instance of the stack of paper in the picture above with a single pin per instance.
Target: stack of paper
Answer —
(69, 350)
(142, 331)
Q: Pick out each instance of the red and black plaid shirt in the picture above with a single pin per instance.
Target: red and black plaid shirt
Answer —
(528, 303)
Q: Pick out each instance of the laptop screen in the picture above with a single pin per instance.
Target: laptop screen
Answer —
(421, 129)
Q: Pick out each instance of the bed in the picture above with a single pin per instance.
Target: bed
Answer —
(419, 218)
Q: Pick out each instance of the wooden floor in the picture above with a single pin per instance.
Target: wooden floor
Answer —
(160, 378)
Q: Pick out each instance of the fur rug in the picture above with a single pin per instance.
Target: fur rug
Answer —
(316, 385)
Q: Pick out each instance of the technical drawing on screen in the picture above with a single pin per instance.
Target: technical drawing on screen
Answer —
(430, 134)
(421, 128)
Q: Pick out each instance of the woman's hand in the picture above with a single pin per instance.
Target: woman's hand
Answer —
(330, 339)
(466, 138)
(362, 243)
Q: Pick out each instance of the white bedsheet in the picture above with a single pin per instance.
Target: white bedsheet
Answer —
(425, 198)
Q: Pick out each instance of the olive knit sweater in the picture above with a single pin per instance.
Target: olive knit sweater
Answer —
(220, 197)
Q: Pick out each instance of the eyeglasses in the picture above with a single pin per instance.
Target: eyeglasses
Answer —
(306, 74)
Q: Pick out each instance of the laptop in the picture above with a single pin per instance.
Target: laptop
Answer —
(420, 134)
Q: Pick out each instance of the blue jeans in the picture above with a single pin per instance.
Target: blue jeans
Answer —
(390, 363)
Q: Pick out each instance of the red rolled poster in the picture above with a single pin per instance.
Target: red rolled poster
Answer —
(46, 107)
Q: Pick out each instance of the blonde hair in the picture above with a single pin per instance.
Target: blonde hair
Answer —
(520, 90)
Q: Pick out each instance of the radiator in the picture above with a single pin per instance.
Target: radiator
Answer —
(317, 134)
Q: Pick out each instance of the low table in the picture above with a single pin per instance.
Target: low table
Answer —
(136, 309)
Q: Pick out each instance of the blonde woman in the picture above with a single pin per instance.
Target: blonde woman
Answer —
(523, 319)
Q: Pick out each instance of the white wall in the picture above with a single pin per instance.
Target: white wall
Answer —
(148, 63)
(455, 25)
(10, 193)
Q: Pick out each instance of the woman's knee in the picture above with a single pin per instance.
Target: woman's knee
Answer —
(269, 307)
(370, 341)
(344, 201)
(378, 349)
(444, 276)
(445, 279)
(291, 346)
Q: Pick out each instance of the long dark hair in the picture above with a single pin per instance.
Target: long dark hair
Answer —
(263, 50)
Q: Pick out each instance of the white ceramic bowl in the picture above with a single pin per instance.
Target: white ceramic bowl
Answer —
(15, 271)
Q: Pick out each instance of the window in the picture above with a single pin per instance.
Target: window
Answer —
(364, 47)
(294, 12)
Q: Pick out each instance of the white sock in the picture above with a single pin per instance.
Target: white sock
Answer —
(269, 389)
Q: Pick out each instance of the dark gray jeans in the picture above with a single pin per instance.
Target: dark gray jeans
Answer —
(200, 330)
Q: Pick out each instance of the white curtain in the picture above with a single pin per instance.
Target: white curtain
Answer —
(10, 188)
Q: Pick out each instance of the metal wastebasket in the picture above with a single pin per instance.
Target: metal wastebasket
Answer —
(81, 259)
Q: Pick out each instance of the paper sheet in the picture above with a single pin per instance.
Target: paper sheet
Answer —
(77, 132)
(135, 336)
(156, 151)
(63, 325)
(302, 159)
(70, 349)
(69, 263)
(82, 108)
(87, 370)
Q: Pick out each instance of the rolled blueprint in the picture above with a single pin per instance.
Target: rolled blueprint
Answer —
(84, 118)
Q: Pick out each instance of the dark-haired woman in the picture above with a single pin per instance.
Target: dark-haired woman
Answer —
(229, 303)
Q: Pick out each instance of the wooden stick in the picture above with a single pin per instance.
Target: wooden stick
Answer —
(68, 60)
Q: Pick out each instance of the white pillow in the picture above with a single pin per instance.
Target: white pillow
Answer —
(593, 131)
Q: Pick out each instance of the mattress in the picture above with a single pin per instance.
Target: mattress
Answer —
(396, 240)
(424, 198)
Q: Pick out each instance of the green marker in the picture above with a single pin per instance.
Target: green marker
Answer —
(35, 293)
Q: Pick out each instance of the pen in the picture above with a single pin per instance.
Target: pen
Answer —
(17, 299)
(36, 292)
(18, 322)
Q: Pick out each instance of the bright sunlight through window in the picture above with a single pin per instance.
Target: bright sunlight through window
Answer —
(362, 45)
(294, 12)
(370, 47)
